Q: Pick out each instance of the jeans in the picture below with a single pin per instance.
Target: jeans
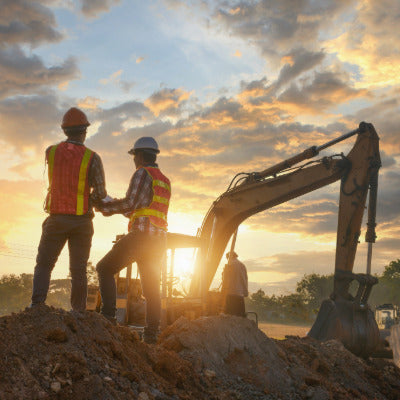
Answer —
(234, 305)
(56, 231)
(148, 252)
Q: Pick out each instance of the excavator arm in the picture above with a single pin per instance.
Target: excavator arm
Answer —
(257, 192)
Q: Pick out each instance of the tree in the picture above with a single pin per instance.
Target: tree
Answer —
(15, 292)
(294, 308)
(315, 288)
(392, 271)
(388, 288)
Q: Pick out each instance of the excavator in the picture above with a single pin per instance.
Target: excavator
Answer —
(345, 317)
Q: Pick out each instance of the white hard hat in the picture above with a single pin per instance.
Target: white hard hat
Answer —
(145, 143)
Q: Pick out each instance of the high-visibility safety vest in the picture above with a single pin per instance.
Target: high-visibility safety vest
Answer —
(157, 210)
(68, 167)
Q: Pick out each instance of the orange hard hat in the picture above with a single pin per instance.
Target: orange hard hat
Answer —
(74, 117)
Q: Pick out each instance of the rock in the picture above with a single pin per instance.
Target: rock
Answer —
(209, 373)
(143, 396)
(55, 386)
(56, 368)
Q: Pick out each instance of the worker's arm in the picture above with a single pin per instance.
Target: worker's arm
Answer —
(138, 195)
(97, 180)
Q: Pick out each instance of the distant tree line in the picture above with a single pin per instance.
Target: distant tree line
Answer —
(301, 306)
(16, 291)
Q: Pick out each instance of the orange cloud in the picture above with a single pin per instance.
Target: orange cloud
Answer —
(114, 77)
(166, 101)
(89, 103)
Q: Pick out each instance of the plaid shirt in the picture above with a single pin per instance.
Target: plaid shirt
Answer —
(139, 195)
(96, 179)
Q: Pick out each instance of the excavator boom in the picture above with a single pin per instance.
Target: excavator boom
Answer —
(260, 191)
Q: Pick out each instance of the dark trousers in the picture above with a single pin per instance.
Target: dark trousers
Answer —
(234, 305)
(56, 231)
(148, 252)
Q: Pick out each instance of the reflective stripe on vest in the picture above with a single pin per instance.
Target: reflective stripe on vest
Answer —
(80, 196)
(158, 209)
(50, 162)
(81, 191)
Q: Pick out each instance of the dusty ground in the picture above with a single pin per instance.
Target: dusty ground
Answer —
(48, 353)
(279, 331)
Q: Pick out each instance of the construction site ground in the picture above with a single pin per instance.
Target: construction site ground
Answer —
(280, 331)
(49, 353)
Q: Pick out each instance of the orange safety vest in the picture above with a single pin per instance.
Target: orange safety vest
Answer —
(157, 210)
(68, 167)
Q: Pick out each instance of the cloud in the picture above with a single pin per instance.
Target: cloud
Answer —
(371, 41)
(24, 75)
(89, 103)
(167, 101)
(139, 60)
(92, 8)
(30, 122)
(29, 22)
(297, 62)
(275, 27)
(281, 272)
(115, 78)
(385, 116)
(326, 89)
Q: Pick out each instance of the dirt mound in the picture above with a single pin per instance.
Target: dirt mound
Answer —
(296, 368)
(48, 353)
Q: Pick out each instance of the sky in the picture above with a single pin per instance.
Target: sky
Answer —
(224, 87)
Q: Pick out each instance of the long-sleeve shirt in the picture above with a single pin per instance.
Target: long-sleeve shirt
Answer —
(96, 179)
(234, 279)
(139, 195)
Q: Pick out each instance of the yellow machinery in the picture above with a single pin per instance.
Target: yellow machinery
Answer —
(343, 316)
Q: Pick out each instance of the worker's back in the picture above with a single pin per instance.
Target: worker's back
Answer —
(234, 279)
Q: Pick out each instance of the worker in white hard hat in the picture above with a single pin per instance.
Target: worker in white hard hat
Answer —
(146, 205)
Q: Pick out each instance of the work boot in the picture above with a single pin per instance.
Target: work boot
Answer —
(111, 319)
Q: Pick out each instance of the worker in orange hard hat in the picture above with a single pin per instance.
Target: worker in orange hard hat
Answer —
(76, 183)
(146, 205)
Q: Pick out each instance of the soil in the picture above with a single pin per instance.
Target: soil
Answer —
(49, 353)
(280, 331)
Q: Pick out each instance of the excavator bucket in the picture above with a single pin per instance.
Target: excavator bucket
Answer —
(349, 319)
(353, 326)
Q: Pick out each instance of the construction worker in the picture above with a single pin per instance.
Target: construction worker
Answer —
(234, 285)
(146, 205)
(76, 182)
